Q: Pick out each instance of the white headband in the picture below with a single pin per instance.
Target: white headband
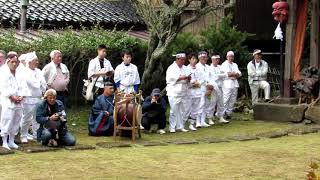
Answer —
(181, 55)
(230, 53)
(256, 52)
(215, 57)
(30, 57)
(203, 55)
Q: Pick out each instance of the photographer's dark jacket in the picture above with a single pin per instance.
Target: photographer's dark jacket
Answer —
(152, 110)
(99, 124)
(44, 112)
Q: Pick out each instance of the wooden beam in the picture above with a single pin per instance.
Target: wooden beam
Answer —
(290, 48)
(315, 34)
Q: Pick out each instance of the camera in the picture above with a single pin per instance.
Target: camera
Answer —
(61, 117)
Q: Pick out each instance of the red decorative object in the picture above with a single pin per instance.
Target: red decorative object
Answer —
(280, 11)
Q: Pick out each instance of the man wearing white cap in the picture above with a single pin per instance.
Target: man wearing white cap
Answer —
(204, 78)
(177, 79)
(218, 76)
(37, 86)
(13, 90)
(230, 84)
(257, 76)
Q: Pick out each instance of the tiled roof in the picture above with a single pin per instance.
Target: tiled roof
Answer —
(62, 13)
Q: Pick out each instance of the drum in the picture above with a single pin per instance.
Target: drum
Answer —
(139, 114)
(125, 115)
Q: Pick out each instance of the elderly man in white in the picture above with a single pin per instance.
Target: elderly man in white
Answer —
(37, 86)
(100, 68)
(13, 90)
(204, 79)
(3, 56)
(257, 76)
(230, 83)
(57, 75)
(126, 75)
(178, 78)
(217, 75)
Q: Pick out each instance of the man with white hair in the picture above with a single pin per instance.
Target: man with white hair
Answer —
(177, 79)
(204, 79)
(36, 85)
(52, 118)
(230, 83)
(13, 90)
(257, 76)
(57, 75)
(217, 75)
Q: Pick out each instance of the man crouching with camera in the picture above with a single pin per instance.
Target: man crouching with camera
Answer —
(53, 123)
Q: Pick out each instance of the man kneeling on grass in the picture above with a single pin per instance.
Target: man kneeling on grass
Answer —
(101, 117)
(53, 124)
(154, 111)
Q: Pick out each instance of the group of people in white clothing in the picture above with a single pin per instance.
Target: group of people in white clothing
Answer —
(194, 91)
(125, 76)
(199, 92)
(22, 85)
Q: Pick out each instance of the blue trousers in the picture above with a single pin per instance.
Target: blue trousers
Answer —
(67, 139)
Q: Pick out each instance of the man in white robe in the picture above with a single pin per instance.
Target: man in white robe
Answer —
(100, 68)
(13, 90)
(257, 76)
(177, 78)
(230, 84)
(217, 75)
(3, 56)
(37, 86)
(126, 75)
(204, 78)
(194, 92)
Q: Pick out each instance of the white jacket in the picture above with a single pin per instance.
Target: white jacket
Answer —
(128, 76)
(174, 87)
(50, 72)
(229, 82)
(94, 67)
(36, 85)
(257, 72)
(217, 75)
(195, 77)
(12, 85)
(205, 75)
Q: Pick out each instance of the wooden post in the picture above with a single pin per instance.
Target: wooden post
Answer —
(290, 48)
(315, 34)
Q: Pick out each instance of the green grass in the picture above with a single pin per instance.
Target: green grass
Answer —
(280, 158)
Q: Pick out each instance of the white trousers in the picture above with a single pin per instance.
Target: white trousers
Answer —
(218, 103)
(29, 118)
(229, 99)
(209, 106)
(10, 121)
(255, 86)
(178, 112)
(195, 107)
